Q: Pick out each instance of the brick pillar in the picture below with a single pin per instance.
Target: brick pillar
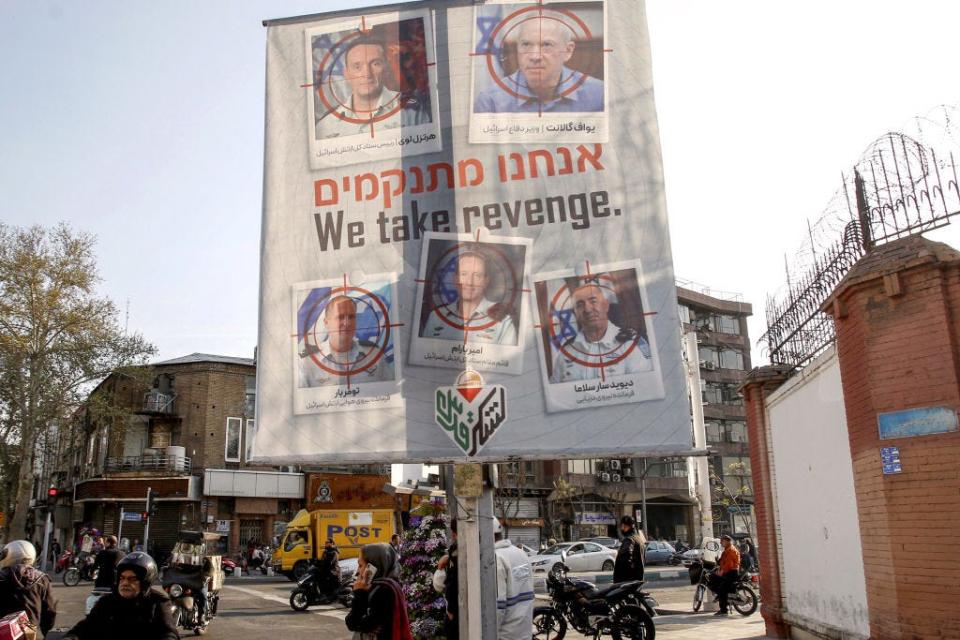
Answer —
(759, 384)
(897, 317)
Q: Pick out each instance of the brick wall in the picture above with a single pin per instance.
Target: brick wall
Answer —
(897, 318)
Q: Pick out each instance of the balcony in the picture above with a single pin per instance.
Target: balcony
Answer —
(151, 465)
(156, 403)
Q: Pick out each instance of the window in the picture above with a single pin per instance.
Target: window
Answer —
(684, 314)
(736, 431)
(248, 440)
(735, 466)
(731, 359)
(232, 453)
(709, 355)
(714, 431)
(581, 466)
(726, 324)
(250, 396)
(721, 393)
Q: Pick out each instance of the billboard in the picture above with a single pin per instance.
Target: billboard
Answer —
(465, 253)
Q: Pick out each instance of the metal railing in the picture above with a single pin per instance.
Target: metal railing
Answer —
(900, 188)
(156, 402)
(176, 465)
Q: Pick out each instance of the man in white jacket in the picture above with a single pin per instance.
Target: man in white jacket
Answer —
(514, 589)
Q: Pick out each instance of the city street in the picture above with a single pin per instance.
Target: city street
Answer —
(252, 607)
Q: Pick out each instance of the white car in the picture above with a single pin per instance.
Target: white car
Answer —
(578, 556)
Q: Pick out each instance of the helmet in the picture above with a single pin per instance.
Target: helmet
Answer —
(17, 552)
(497, 527)
(142, 565)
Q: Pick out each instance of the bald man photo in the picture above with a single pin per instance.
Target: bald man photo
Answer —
(543, 82)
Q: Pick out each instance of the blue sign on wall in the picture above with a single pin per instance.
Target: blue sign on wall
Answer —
(890, 459)
(917, 422)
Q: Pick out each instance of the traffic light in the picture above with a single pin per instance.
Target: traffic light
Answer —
(152, 506)
(52, 493)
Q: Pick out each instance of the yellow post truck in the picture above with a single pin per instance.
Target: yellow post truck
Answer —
(308, 531)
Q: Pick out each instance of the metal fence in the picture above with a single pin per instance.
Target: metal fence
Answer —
(175, 465)
(900, 187)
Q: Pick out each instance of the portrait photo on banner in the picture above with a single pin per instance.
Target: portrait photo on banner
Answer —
(595, 337)
(344, 344)
(372, 89)
(540, 73)
(470, 308)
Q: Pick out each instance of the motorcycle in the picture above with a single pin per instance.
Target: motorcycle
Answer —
(85, 569)
(192, 568)
(742, 596)
(621, 610)
(677, 558)
(309, 590)
(64, 561)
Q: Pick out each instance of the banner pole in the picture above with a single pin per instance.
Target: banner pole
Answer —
(477, 569)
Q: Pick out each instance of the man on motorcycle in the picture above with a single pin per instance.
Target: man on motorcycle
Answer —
(629, 562)
(728, 569)
(134, 609)
(24, 588)
(329, 568)
(106, 563)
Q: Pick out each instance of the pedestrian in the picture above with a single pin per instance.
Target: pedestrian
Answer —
(451, 586)
(379, 608)
(514, 589)
(25, 588)
(55, 550)
(728, 569)
(629, 562)
(133, 609)
(106, 562)
(395, 543)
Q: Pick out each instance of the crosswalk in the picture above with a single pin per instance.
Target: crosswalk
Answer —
(329, 610)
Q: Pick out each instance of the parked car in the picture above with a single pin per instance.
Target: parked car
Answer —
(658, 552)
(606, 541)
(578, 556)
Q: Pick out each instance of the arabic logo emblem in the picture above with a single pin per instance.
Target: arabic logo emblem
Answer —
(470, 412)
(324, 493)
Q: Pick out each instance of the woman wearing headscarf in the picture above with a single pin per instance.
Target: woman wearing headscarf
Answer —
(379, 609)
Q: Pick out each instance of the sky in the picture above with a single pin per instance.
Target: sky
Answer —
(142, 123)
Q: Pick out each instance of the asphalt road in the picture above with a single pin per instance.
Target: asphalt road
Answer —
(257, 608)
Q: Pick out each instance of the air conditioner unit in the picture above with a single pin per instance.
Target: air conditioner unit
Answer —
(616, 477)
(628, 472)
(709, 366)
(604, 477)
(614, 465)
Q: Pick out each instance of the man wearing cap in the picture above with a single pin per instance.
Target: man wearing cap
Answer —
(365, 72)
(726, 574)
(542, 82)
(344, 358)
(472, 317)
(600, 349)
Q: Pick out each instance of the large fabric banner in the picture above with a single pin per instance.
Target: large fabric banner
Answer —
(465, 252)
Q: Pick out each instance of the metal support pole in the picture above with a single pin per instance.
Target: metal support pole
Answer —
(643, 500)
(46, 539)
(146, 527)
(120, 527)
(701, 464)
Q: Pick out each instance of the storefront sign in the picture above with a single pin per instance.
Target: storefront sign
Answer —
(223, 526)
(596, 517)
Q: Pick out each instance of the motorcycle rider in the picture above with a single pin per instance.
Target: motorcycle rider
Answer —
(24, 588)
(329, 568)
(728, 569)
(629, 562)
(106, 564)
(134, 609)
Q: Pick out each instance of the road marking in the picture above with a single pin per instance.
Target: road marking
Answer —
(322, 610)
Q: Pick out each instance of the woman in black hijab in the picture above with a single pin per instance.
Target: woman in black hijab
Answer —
(379, 609)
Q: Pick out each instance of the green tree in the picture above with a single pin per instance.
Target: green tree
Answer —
(57, 338)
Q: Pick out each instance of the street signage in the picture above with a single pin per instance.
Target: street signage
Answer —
(132, 516)
(890, 459)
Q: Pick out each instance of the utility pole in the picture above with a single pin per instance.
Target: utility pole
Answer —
(146, 527)
(700, 464)
(478, 576)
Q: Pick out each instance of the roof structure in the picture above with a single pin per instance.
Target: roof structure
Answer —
(206, 357)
